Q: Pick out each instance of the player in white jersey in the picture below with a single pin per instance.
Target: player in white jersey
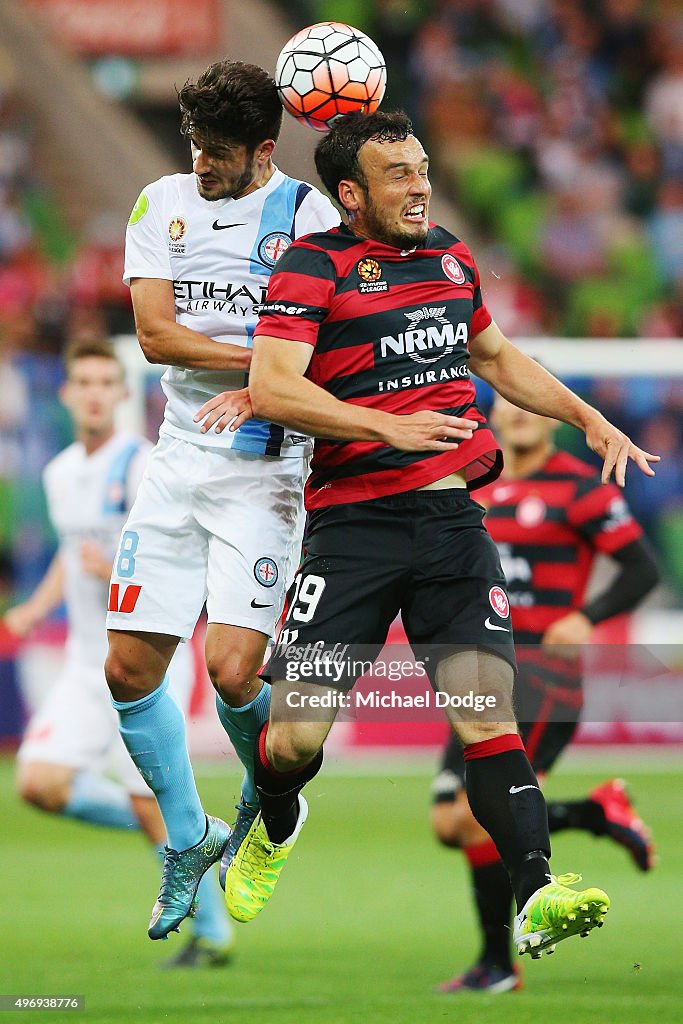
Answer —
(219, 516)
(72, 745)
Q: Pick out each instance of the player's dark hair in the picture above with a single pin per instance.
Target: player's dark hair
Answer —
(231, 102)
(101, 348)
(336, 155)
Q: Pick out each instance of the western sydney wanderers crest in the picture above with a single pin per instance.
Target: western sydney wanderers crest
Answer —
(272, 246)
(370, 274)
(452, 269)
(531, 511)
(499, 602)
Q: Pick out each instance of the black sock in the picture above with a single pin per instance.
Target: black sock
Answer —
(279, 791)
(503, 794)
(493, 899)
(587, 815)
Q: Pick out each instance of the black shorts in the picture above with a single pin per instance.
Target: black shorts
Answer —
(424, 554)
(550, 714)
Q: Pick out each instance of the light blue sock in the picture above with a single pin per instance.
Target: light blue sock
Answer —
(100, 801)
(243, 726)
(153, 730)
(211, 920)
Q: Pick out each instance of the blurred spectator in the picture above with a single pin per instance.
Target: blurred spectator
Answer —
(664, 101)
(643, 175)
(96, 275)
(666, 230)
(571, 244)
(516, 306)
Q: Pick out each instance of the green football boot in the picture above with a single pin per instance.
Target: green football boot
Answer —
(554, 912)
(253, 872)
(181, 875)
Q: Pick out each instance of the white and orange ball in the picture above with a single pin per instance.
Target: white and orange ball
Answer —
(328, 70)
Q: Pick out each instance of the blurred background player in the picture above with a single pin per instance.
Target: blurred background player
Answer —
(72, 743)
(219, 515)
(550, 516)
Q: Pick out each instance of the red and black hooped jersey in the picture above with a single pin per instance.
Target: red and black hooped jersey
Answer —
(391, 331)
(548, 529)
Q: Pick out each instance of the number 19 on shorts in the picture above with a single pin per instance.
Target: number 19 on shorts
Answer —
(307, 593)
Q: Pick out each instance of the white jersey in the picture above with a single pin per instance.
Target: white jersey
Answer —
(220, 255)
(88, 498)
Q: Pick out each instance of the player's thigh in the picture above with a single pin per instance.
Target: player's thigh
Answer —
(457, 596)
(457, 615)
(73, 726)
(158, 582)
(252, 513)
(548, 699)
(345, 595)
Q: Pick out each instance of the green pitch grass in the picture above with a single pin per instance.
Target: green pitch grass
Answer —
(369, 916)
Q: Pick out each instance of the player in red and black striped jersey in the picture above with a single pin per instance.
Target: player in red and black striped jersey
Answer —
(390, 330)
(550, 516)
(366, 341)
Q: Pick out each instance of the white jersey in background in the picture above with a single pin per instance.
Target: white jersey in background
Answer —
(219, 256)
(88, 498)
(75, 725)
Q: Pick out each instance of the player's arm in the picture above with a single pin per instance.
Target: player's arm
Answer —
(281, 393)
(47, 596)
(637, 575)
(164, 341)
(527, 384)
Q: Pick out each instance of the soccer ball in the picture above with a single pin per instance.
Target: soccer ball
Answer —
(328, 70)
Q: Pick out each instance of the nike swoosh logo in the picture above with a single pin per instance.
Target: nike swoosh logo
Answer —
(490, 625)
(221, 227)
(518, 789)
(256, 604)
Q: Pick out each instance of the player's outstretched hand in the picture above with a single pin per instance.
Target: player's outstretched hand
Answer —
(229, 409)
(427, 431)
(615, 448)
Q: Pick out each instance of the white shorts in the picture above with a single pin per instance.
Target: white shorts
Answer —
(76, 725)
(215, 526)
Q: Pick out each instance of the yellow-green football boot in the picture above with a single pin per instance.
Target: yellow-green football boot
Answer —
(255, 869)
(554, 912)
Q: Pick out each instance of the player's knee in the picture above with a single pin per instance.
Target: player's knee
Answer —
(233, 677)
(477, 731)
(288, 749)
(125, 680)
(453, 822)
(35, 787)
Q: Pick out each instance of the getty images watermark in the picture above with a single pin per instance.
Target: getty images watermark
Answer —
(362, 681)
